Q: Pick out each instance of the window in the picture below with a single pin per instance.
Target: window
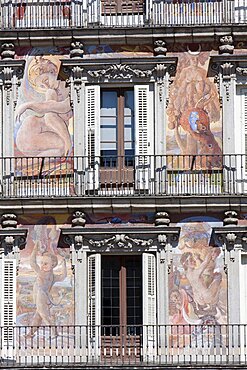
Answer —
(122, 7)
(117, 126)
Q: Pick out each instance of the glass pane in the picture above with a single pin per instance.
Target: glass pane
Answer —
(109, 99)
(129, 99)
(129, 127)
(108, 134)
(108, 122)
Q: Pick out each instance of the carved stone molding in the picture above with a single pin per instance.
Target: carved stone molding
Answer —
(242, 71)
(120, 72)
(9, 220)
(229, 67)
(12, 241)
(226, 46)
(162, 219)
(231, 218)
(77, 73)
(124, 69)
(122, 239)
(76, 49)
(160, 48)
(230, 237)
(11, 71)
(78, 219)
(7, 51)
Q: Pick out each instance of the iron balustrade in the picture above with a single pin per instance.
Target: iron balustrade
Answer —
(154, 175)
(134, 345)
(68, 14)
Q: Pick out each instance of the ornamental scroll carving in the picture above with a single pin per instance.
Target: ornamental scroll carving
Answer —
(120, 241)
(120, 72)
(242, 71)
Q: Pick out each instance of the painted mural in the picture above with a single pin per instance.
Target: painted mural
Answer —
(118, 219)
(115, 51)
(197, 284)
(193, 114)
(44, 118)
(45, 286)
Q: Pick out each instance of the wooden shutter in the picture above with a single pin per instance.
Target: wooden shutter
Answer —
(94, 304)
(92, 136)
(8, 310)
(149, 304)
(144, 147)
(113, 7)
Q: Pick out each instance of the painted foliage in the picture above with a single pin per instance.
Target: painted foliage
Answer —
(45, 286)
(44, 119)
(194, 117)
(197, 282)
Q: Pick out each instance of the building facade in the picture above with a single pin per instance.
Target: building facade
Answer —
(123, 183)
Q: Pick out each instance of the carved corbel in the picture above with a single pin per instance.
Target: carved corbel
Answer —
(162, 219)
(76, 74)
(11, 71)
(166, 243)
(78, 219)
(11, 242)
(226, 45)
(8, 51)
(76, 50)
(160, 48)
(231, 218)
(230, 237)
(227, 73)
(241, 71)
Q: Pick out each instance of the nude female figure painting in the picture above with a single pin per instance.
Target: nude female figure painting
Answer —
(193, 109)
(42, 122)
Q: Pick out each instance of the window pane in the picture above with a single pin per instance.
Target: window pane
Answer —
(129, 124)
(108, 135)
(109, 99)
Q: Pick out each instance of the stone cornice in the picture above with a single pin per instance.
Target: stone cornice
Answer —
(228, 65)
(230, 236)
(127, 238)
(120, 69)
(9, 68)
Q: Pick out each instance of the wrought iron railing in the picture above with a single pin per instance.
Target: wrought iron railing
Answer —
(207, 344)
(157, 175)
(67, 14)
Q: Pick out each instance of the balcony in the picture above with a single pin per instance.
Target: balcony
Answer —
(70, 14)
(217, 345)
(129, 176)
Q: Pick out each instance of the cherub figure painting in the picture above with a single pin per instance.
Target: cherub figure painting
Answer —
(45, 279)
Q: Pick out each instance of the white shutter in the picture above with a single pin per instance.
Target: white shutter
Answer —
(92, 137)
(144, 140)
(244, 115)
(149, 304)
(94, 305)
(8, 309)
